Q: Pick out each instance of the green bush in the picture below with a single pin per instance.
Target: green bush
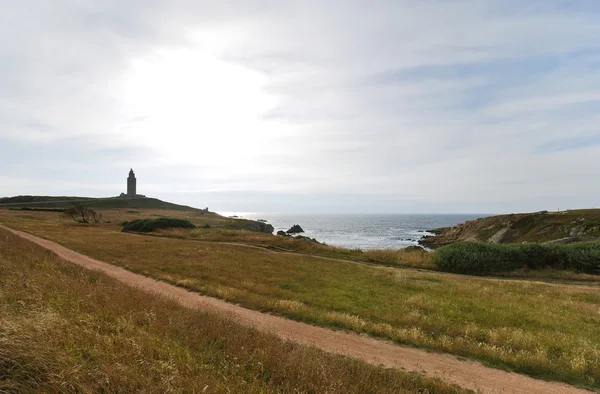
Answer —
(481, 258)
(149, 225)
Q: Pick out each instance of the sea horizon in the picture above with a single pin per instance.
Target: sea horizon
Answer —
(363, 231)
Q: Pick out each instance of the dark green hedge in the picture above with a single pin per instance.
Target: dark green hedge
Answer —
(482, 258)
(149, 225)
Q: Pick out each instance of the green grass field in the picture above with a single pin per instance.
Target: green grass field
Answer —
(546, 331)
(66, 329)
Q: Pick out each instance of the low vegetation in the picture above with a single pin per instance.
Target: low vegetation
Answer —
(37, 209)
(479, 258)
(542, 330)
(65, 329)
(82, 214)
(150, 225)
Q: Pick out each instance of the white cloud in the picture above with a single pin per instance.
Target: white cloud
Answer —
(454, 104)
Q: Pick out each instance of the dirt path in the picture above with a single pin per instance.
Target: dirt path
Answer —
(467, 374)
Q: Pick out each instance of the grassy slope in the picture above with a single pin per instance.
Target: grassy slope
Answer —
(30, 199)
(542, 330)
(106, 203)
(138, 203)
(128, 209)
(525, 227)
(402, 257)
(65, 329)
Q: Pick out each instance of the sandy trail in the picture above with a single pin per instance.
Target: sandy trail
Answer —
(467, 374)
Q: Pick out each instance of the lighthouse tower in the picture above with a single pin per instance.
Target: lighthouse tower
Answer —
(131, 184)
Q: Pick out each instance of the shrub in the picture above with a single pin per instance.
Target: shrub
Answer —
(82, 214)
(481, 258)
(149, 225)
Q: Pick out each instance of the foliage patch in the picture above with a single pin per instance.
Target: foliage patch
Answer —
(150, 225)
(483, 258)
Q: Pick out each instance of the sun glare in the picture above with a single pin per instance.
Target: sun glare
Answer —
(194, 107)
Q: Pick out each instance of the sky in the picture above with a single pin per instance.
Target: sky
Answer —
(382, 106)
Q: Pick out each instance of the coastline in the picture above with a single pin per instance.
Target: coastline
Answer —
(361, 231)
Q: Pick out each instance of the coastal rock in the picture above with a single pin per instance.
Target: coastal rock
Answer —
(563, 241)
(259, 227)
(282, 233)
(295, 229)
(576, 231)
(307, 239)
(497, 237)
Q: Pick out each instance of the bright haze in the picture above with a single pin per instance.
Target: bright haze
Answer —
(305, 106)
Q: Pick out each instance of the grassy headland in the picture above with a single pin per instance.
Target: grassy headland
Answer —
(534, 328)
(92, 202)
(565, 226)
(66, 329)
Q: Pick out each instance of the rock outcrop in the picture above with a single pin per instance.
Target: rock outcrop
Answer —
(307, 239)
(259, 227)
(295, 229)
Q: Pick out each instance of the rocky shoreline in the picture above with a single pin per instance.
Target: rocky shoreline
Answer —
(540, 227)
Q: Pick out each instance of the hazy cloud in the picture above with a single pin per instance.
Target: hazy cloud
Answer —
(404, 106)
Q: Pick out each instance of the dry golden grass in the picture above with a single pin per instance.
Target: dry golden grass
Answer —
(401, 258)
(392, 258)
(545, 331)
(228, 230)
(65, 329)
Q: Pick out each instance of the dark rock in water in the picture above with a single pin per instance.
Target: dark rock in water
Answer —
(261, 220)
(296, 229)
(282, 233)
(259, 227)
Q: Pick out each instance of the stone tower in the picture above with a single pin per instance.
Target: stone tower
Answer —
(131, 181)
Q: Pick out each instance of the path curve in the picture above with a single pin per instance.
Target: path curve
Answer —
(468, 374)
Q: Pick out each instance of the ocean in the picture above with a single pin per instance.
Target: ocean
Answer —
(362, 231)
